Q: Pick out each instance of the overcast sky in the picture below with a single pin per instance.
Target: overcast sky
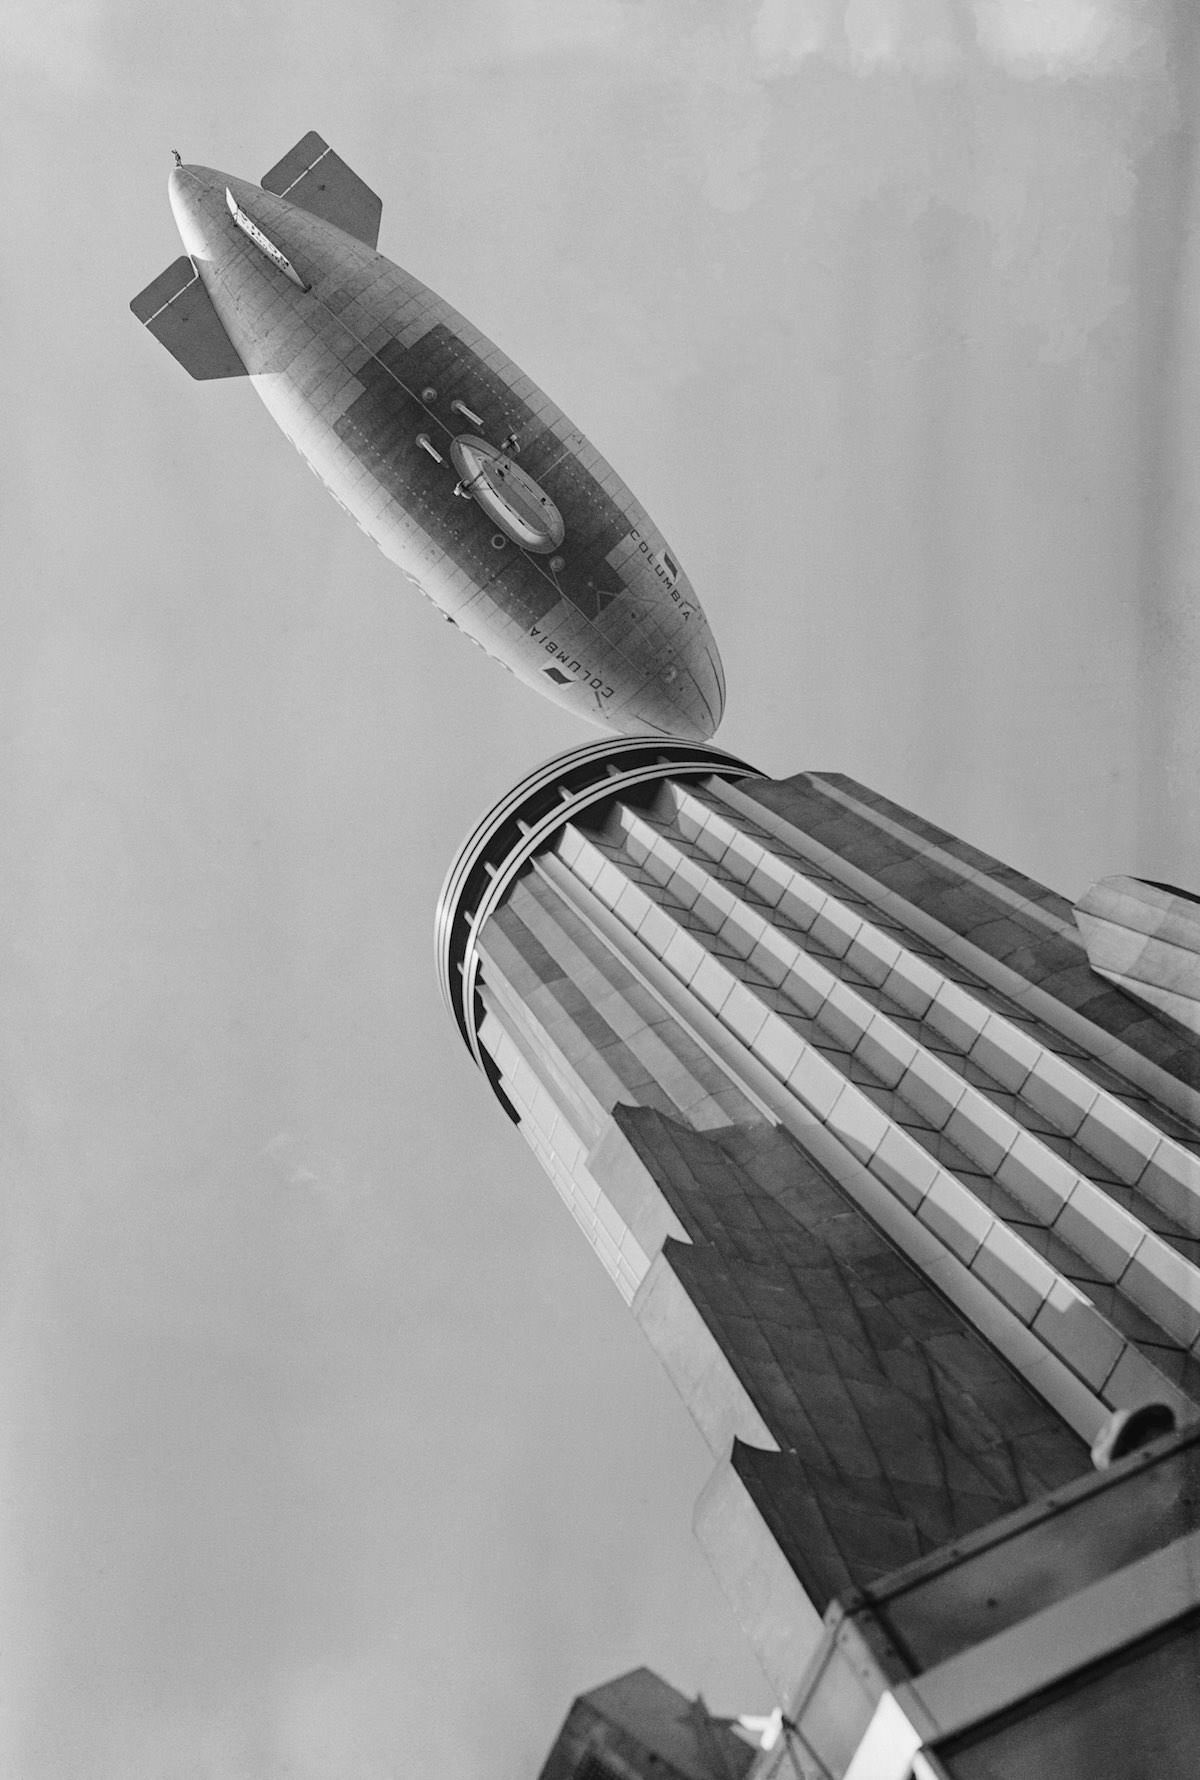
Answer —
(327, 1449)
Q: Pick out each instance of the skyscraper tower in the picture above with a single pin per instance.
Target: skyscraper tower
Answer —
(905, 1195)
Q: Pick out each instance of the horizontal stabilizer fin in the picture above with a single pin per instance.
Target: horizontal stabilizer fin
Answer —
(178, 311)
(312, 176)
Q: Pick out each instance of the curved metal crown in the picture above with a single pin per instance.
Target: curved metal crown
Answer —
(524, 820)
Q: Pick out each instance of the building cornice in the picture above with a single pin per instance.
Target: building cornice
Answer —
(525, 820)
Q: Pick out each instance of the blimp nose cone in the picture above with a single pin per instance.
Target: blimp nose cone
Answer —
(697, 688)
(685, 698)
(710, 683)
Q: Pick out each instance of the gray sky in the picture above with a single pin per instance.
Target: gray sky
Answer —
(327, 1448)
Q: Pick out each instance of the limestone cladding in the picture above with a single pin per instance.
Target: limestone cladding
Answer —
(1145, 938)
(903, 1197)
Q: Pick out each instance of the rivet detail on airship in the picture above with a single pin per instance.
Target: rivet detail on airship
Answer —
(415, 422)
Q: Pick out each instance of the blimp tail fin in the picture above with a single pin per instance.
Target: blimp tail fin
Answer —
(178, 311)
(312, 176)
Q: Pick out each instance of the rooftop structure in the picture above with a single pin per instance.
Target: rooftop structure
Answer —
(638, 1727)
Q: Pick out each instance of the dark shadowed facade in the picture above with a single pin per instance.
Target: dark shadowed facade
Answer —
(904, 1194)
(638, 1727)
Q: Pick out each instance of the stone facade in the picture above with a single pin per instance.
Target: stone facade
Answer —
(1145, 938)
(906, 1198)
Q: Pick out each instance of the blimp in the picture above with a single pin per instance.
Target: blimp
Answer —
(468, 478)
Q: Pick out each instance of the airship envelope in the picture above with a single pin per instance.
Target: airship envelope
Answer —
(467, 477)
